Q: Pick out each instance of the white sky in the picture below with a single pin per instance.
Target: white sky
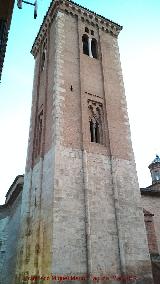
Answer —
(139, 44)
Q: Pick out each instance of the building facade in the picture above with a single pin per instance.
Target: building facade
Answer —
(9, 231)
(10, 216)
(81, 200)
(81, 209)
(6, 10)
(151, 204)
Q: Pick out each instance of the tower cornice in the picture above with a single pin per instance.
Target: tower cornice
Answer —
(74, 9)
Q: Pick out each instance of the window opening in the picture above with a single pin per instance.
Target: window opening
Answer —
(39, 134)
(85, 44)
(43, 59)
(95, 121)
(92, 130)
(86, 30)
(43, 56)
(35, 199)
(40, 131)
(94, 48)
(97, 134)
(95, 131)
(92, 32)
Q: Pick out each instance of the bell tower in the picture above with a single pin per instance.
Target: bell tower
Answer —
(155, 170)
(81, 209)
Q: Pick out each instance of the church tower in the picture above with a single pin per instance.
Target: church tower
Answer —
(81, 210)
(155, 170)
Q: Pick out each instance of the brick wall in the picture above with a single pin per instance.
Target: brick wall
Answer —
(3, 245)
(9, 234)
(81, 200)
(151, 204)
(151, 235)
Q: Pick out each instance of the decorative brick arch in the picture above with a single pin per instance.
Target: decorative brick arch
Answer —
(95, 111)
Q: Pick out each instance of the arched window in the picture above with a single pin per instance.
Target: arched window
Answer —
(43, 55)
(38, 134)
(94, 48)
(43, 59)
(86, 30)
(92, 32)
(95, 122)
(85, 44)
(92, 130)
(40, 123)
(97, 132)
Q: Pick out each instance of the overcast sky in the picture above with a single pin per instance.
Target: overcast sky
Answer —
(139, 43)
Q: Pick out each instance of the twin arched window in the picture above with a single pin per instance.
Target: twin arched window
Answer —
(95, 122)
(90, 46)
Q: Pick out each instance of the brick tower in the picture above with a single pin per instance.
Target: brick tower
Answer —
(81, 209)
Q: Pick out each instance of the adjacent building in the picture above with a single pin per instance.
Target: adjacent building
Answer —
(151, 204)
(6, 10)
(9, 231)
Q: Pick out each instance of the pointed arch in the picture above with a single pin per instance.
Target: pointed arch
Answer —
(85, 42)
(43, 55)
(92, 130)
(97, 132)
(86, 30)
(95, 122)
(94, 48)
(43, 59)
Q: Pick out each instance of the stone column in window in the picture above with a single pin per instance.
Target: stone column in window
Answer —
(89, 45)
